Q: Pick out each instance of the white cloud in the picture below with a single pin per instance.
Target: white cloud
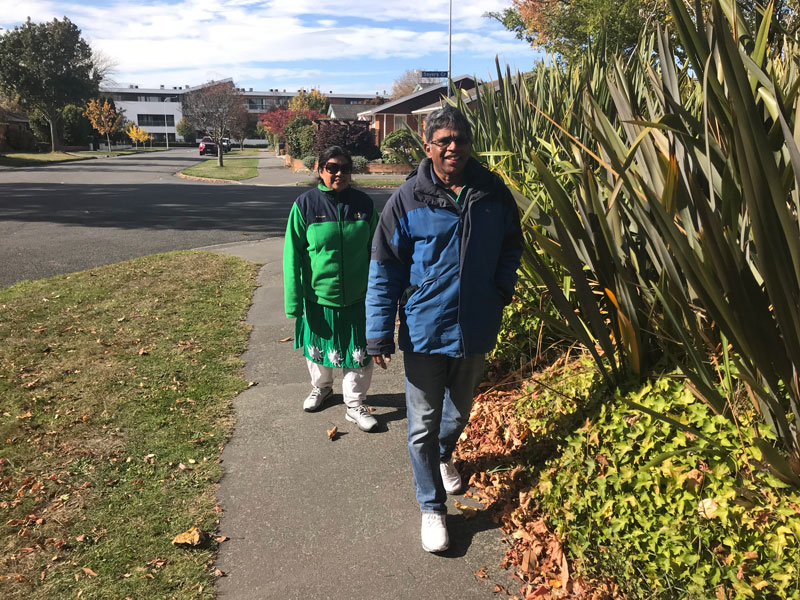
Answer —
(176, 42)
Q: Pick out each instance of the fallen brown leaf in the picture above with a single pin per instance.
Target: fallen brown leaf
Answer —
(222, 538)
(218, 573)
(89, 572)
(467, 511)
(191, 537)
(332, 433)
(481, 573)
(286, 339)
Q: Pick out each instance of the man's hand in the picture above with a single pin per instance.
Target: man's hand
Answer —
(382, 361)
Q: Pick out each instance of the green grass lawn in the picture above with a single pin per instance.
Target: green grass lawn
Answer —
(27, 159)
(234, 170)
(236, 152)
(116, 387)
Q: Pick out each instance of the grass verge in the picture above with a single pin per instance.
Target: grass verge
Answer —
(245, 168)
(26, 159)
(116, 385)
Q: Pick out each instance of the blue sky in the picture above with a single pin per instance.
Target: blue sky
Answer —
(358, 46)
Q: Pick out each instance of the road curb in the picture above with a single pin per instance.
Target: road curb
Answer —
(207, 179)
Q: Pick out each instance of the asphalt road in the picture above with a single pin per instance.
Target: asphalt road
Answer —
(74, 216)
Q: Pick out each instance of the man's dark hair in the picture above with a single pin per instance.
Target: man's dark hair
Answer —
(448, 117)
(333, 152)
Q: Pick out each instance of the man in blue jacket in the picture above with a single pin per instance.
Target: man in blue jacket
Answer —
(446, 251)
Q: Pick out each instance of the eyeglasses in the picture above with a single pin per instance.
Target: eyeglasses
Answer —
(333, 168)
(459, 140)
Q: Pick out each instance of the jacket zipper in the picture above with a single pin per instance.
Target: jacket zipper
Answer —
(341, 249)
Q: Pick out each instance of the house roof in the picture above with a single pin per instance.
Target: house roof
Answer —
(12, 117)
(345, 112)
(469, 97)
(407, 104)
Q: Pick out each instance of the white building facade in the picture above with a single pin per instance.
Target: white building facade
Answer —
(158, 110)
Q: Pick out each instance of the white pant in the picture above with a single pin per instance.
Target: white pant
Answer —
(355, 382)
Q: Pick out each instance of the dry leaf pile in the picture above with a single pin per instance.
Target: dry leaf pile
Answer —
(492, 451)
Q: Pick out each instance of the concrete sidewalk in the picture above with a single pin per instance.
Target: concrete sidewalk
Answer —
(312, 518)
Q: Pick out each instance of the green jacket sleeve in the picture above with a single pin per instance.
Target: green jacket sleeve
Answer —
(294, 250)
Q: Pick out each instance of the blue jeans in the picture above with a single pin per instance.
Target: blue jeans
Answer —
(439, 393)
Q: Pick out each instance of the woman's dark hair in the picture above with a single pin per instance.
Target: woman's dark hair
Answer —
(333, 152)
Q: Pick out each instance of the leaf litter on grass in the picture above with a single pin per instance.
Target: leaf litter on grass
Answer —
(88, 475)
(494, 449)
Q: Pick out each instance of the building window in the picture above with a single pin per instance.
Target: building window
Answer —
(399, 121)
(155, 120)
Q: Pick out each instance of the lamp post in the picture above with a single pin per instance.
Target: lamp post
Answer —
(450, 52)
(166, 133)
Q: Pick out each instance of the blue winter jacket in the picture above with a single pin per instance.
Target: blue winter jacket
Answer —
(450, 270)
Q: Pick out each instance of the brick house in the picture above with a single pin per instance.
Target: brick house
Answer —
(385, 118)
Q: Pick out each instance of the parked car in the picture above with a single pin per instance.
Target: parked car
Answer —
(226, 144)
(208, 146)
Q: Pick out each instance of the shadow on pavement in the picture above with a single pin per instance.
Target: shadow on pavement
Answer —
(159, 206)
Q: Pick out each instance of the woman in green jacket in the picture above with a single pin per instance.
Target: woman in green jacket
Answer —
(325, 266)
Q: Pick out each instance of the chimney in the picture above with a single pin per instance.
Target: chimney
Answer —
(162, 87)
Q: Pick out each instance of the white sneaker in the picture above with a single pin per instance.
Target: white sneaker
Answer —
(361, 416)
(450, 477)
(434, 532)
(315, 399)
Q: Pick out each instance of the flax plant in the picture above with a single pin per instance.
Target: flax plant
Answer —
(660, 200)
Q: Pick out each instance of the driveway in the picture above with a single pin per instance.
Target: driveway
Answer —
(74, 216)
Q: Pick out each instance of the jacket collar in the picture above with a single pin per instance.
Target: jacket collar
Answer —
(478, 179)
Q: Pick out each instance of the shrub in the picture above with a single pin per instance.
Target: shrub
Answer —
(355, 137)
(299, 134)
(397, 147)
(359, 164)
(309, 161)
(673, 511)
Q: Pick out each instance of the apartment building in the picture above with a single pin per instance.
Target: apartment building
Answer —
(158, 110)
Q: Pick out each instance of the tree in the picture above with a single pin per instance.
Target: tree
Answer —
(103, 118)
(136, 133)
(353, 136)
(568, 26)
(47, 66)
(275, 121)
(406, 83)
(240, 125)
(212, 109)
(313, 100)
(185, 130)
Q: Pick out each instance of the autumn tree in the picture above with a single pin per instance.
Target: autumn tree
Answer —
(185, 130)
(406, 83)
(275, 121)
(212, 109)
(47, 66)
(240, 125)
(567, 27)
(313, 100)
(103, 118)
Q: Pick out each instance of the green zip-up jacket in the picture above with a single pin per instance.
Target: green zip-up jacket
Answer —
(327, 249)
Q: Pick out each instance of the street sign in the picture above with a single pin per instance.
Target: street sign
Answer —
(434, 74)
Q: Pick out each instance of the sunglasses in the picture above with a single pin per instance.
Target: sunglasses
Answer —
(459, 140)
(334, 168)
